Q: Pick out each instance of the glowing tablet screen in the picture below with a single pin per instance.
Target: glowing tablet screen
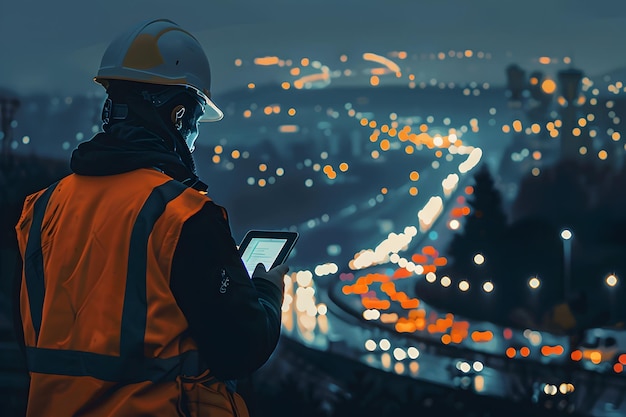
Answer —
(262, 250)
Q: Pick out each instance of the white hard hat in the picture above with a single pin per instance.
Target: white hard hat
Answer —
(160, 52)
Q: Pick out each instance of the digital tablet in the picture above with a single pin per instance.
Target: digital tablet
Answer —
(268, 247)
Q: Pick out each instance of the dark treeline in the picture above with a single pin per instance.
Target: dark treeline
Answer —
(526, 242)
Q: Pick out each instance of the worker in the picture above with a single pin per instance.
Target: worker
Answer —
(134, 300)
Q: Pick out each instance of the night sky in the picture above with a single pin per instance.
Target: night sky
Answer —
(56, 46)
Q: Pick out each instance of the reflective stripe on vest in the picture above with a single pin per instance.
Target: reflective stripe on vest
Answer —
(33, 265)
(131, 365)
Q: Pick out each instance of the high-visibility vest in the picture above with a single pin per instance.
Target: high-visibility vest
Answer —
(102, 330)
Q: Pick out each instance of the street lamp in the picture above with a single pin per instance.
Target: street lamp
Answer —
(534, 283)
(611, 281)
(566, 238)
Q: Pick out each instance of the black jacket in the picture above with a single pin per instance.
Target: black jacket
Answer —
(234, 320)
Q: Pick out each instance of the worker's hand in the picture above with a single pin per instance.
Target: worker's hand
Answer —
(274, 275)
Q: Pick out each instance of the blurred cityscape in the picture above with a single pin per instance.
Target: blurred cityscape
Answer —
(461, 245)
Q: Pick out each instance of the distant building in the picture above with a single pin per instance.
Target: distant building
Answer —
(574, 141)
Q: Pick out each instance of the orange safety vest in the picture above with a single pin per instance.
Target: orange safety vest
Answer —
(103, 333)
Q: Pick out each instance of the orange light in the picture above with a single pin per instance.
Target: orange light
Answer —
(457, 212)
(552, 350)
(548, 86)
(510, 352)
(442, 261)
(479, 337)
(405, 326)
(410, 303)
(419, 258)
(524, 351)
(507, 333)
(595, 357)
(374, 303)
(576, 355)
(267, 60)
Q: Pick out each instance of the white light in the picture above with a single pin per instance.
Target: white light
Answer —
(488, 286)
(322, 309)
(534, 282)
(566, 234)
(384, 344)
(430, 212)
(464, 285)
(463, 367)
(413, 352)
(471, 161)
(371, 314)
(611, 280)
(534, 337)
(479, 259)
(431, 277)
(478, 366)
(304, 278)
(399, 354)
(446, 281)
(370, 345)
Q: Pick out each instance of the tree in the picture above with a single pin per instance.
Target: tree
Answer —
(481, 232)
